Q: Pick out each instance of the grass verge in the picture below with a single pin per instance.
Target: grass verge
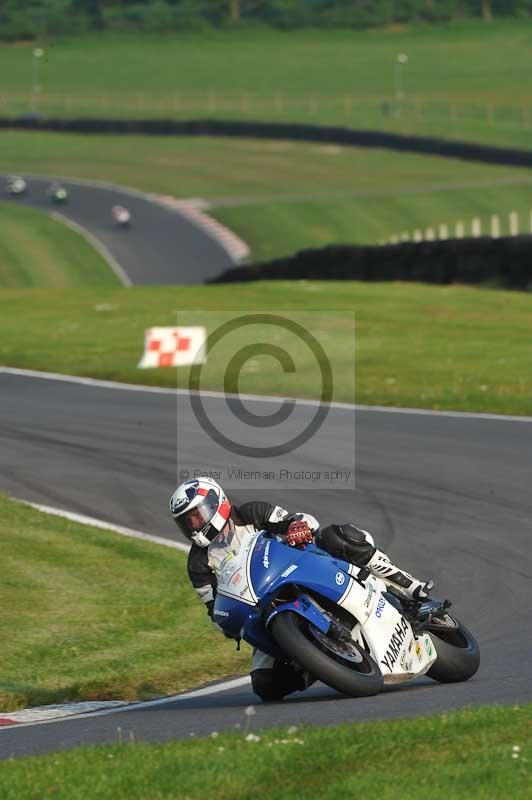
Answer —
(423, 346)
(284, 196)
(468, 754)
(462, 80)
(39, 251)
(88, 615)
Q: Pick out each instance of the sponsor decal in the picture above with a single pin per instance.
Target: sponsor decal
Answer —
(340, 578)
(428, 645)
(395, 644)
(404, 661)
(288, 571)
(265, 557)
(237, 577)
(221, 614)
(418, 650)
(380, 607)
(371, 592)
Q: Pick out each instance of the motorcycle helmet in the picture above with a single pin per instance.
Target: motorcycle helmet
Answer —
(200, 510)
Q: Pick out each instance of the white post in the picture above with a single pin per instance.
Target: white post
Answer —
(429, 234)
(495, 226)
(38, 53)
(459, 230)
(399, 63)
(418, 235)
(476, 227)
(513, 219)
(443, 232)
(405, 236)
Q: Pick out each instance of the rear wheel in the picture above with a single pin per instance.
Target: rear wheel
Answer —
(458, 654)
(339, 662)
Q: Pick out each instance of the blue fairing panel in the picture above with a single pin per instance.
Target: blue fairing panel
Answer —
(305, 608)
(274, 564)
(232, 614)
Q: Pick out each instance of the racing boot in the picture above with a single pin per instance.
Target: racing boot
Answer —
(408, 586)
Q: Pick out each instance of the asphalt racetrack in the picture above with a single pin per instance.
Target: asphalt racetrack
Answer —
(162, 246)
(447, 496)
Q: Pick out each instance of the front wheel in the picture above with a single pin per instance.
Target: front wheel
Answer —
(458, 654)
(341, 664)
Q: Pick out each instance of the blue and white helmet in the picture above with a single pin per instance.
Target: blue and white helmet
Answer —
(200, 510)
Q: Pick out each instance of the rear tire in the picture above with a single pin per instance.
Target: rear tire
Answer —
(458, 655)
(348, 669)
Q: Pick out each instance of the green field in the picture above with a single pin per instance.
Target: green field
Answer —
(38, 251)
(479, 754)
(88, 614)
(423, 346)
(282, 196)
(463, 80)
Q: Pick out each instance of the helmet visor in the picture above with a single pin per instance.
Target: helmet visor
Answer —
(196, 519)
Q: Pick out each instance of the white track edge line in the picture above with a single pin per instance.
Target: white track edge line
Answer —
(135, 387)
(100, 248)
(224, 686)
(100, 523)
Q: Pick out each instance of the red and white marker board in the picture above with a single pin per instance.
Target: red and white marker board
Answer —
(173, 347)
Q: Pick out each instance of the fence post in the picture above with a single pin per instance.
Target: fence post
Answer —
(476, 227)
(495, 226)
(429, 234)
(459, 230)
(418, 235)
(513, 219)
(405, 236)
(443, 232)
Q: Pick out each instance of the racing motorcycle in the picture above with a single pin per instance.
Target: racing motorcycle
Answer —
(339, 622)
(121, 216)
(16, 185)
(57, 193)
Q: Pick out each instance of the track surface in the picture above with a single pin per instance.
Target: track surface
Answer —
(447, 497)
(161, 246)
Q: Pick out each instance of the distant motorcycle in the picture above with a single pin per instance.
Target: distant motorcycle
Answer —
(58, 193)
(16, 185)
(336, 620)
(121, 216)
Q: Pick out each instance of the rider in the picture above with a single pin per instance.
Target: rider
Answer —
(202, 512)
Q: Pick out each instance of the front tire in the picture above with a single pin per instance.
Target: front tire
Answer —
(458, 655)
(346, 667)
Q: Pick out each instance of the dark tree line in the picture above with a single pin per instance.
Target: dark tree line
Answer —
(31, 18)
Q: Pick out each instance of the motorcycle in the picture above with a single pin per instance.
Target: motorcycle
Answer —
(121, 216)
(16, 185)
(58, 194)
(332, 618)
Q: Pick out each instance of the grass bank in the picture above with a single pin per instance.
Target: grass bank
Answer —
(434, 347)
(463, 80)
(286, 196)
(476, 754)
(89, 614)
(37, 250)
